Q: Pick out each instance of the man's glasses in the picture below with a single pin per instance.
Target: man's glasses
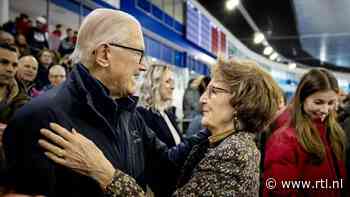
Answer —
(130, 48)
(6, 62)
(212, 90)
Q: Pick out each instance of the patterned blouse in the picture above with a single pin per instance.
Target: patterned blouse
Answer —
(229, 169)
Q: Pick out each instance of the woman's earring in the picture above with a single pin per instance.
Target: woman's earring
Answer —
(236, 122)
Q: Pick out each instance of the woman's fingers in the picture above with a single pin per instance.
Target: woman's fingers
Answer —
(54, 138)
(52, 148)
(61, 131)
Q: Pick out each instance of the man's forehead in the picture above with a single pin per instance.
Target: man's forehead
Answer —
(28, 61)
(7, 54)
(57, 71)
(136, 36)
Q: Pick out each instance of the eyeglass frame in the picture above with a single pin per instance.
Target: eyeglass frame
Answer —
(130, 48)
(210, 88)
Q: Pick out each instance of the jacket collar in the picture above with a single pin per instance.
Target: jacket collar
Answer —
(96, 94)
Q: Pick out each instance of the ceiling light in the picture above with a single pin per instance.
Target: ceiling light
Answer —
(273, 56)
(231, 4)
(258, 38)
(292, 66)
(153, 59)
(268, 50)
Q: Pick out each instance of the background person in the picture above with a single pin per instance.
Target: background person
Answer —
(26, 73)
(57, 75)
(155, 99)
(312, 146)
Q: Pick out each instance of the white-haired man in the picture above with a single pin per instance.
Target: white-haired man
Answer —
(97, 101)
(27, 72)
(57, 75)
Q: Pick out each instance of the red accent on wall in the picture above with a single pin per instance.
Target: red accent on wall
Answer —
(214, 40)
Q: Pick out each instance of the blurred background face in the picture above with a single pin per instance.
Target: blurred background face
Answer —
(27, 69)
(319, 104)
(57, 75)
(216, 108)
(8, 66)
(166, 86)
(39, 25)
(21, 39)
(46, 58)
(70, 33)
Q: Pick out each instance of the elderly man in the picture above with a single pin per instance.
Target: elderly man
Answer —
(97, 101)
(27, 72)
(57, 75)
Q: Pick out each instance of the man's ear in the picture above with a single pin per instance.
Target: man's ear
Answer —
(101, 54)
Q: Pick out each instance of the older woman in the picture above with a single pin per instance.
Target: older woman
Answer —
(155, 100)
(239, 101)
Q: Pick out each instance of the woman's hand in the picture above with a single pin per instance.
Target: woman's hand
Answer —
(73, 150)
(2, 129)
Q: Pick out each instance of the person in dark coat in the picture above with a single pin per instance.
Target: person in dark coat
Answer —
(155, 99)
(45, 58)
(196, 124)
(12, 93)
(312, 146)
(96, 100)
(36, 36)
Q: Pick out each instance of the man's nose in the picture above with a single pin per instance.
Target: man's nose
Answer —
(142, 67)
(10, 69)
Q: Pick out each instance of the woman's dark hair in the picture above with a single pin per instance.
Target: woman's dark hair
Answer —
(203, 85)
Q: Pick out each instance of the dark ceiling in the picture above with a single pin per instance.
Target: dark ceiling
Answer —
(277, 20)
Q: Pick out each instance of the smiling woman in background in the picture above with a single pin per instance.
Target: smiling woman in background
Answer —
(156, 97)
(312, 146)
(240, 100)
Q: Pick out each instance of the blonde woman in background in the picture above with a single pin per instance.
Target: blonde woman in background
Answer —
(156, 95)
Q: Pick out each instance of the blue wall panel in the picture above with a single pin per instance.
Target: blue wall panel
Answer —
(145, 5)
(178, 26)
(159, 28)
(168, 20)
(157, 12)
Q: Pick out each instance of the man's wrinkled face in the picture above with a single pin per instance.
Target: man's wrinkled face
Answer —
(27, 69)
(57, 76)
(126, 64)
(8, 66)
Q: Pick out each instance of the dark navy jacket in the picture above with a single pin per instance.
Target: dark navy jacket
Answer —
(162, 178)
(156, 122)
(114, 126)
